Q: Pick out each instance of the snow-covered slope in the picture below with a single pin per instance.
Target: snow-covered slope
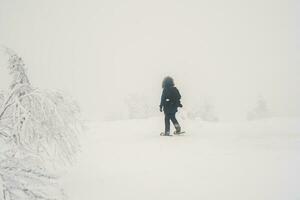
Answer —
(213, 161)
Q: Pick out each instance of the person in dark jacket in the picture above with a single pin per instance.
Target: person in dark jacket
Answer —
(169, 103)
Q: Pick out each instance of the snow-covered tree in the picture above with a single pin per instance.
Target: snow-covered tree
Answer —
(35, 127)
(260, 111)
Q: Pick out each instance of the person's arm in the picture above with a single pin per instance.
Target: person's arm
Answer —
(162, 100)
(178, 98)
(178, 94)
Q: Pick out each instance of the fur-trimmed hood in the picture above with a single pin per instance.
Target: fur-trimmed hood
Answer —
(168, 82)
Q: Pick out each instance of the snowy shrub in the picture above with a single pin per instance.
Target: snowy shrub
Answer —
(35, 126)
(260, 111)
(205, 112)
(139, 106)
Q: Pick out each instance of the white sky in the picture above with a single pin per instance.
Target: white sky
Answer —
(100, 51)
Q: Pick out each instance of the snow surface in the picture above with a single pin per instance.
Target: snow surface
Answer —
(226, 160)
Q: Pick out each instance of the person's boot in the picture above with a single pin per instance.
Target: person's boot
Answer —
(165, 133)
(178, 129)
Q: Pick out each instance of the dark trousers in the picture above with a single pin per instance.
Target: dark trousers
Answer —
(168, 117)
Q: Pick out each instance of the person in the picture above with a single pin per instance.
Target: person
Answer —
(169, 103)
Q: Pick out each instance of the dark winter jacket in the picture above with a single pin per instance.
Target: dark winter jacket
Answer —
(170, 100)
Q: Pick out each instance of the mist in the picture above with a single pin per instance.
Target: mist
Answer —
(225, 52)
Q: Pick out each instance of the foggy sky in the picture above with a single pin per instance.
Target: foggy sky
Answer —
(228, 52)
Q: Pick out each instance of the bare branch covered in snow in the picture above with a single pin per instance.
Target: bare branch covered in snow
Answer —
(24, 179)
